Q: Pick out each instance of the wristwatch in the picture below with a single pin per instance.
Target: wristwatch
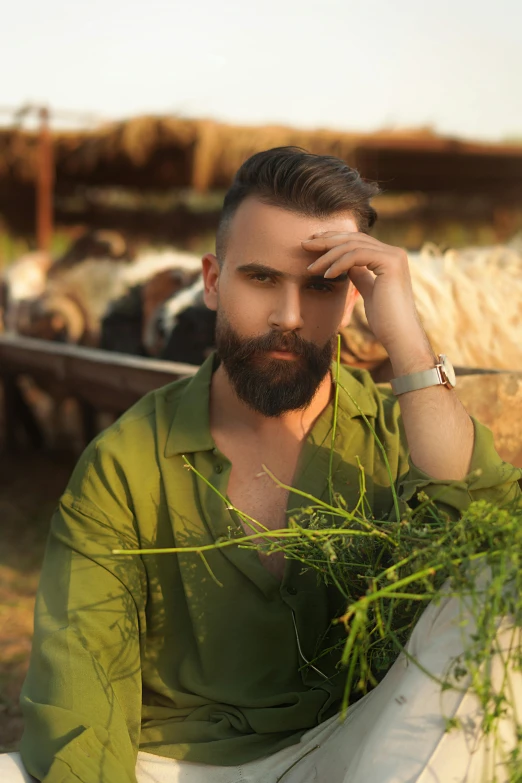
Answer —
(442, 374)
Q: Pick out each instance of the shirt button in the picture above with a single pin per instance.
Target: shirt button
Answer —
(218, 468)
(291, 590)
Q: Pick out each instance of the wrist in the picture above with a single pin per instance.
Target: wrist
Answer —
(409, 359)
(408, 347)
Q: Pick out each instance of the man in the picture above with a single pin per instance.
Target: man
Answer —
(205, 665)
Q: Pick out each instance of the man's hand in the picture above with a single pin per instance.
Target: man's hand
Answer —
(381, 273)
(433, 417)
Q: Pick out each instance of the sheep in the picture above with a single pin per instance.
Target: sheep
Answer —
(192, 338)
(98, 243)
(23, 281)
(163, 320)
(136, 313)
(468, 301)
(121, 326)
(71, 304)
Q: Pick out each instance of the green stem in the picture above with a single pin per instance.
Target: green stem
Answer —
(334, 425)
(383, 452)
(288, 533)
(227, 503)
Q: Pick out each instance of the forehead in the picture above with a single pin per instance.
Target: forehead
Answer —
(271, 233)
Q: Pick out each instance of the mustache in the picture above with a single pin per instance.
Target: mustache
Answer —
(274, 341)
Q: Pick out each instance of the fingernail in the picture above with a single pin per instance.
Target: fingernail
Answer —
(327, 273)
(311, 266)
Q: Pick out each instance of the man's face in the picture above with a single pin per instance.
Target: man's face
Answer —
(276, 322)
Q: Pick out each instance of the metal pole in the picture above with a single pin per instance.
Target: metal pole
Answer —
(44, 195)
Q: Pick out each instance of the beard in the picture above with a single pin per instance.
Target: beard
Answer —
(266, 384)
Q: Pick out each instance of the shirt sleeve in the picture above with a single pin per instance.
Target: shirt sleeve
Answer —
(82, 696)
(489, 478)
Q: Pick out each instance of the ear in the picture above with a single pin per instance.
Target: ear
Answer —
(351, 299)
(211, 273)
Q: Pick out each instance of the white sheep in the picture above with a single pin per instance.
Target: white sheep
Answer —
(75, 299)
(23, 281)
(469, 302)
(164, 319)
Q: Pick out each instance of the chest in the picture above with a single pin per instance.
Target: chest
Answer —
(255, 493)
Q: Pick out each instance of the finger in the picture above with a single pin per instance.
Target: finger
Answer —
(323, 242)
(327, 242)
(336, 252)
(340, 234)
(376, 261)
(329, 234)
(362, 279)
(325, 234)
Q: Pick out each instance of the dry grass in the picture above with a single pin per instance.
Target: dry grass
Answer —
(203, 153)
(137, 140)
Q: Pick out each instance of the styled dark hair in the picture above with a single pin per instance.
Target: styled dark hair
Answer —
(297, 180)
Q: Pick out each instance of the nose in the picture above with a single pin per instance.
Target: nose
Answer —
(286, 313)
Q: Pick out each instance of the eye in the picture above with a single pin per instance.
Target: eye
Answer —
(321, 287)
(258, 275)
(263, 278)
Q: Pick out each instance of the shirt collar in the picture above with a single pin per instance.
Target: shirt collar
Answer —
(190, 428)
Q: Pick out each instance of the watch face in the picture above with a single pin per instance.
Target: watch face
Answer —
(448, 369)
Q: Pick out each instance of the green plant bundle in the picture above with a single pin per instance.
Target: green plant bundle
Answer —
(389, 570)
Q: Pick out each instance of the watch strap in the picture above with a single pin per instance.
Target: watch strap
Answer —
(417, 380)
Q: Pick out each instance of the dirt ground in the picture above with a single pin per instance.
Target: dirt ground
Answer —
(30, 485)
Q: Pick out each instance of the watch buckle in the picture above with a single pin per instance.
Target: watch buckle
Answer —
(442, 374)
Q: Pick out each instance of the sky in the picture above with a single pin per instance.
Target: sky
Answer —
(453, 65)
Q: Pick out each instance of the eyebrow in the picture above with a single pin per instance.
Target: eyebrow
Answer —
(268, 270)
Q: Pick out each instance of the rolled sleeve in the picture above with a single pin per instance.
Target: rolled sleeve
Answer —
(489, 478)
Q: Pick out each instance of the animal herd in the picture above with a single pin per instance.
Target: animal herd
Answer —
(103, 293)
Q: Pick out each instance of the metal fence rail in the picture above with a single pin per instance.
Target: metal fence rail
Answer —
(107, 379)
(103, 381)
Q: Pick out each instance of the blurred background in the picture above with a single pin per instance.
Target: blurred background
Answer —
(121, 127)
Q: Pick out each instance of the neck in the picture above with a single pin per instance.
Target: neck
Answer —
(229, 413)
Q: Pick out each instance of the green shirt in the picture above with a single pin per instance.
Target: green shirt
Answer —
(149, 652)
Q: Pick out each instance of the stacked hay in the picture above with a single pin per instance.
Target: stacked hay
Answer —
(159, 152)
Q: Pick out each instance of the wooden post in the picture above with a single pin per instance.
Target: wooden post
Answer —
(18, 416)
(89, 422)
(204, 156)
(10, 428)
(45, 182)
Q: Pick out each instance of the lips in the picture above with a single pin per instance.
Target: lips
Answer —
(283, 354)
